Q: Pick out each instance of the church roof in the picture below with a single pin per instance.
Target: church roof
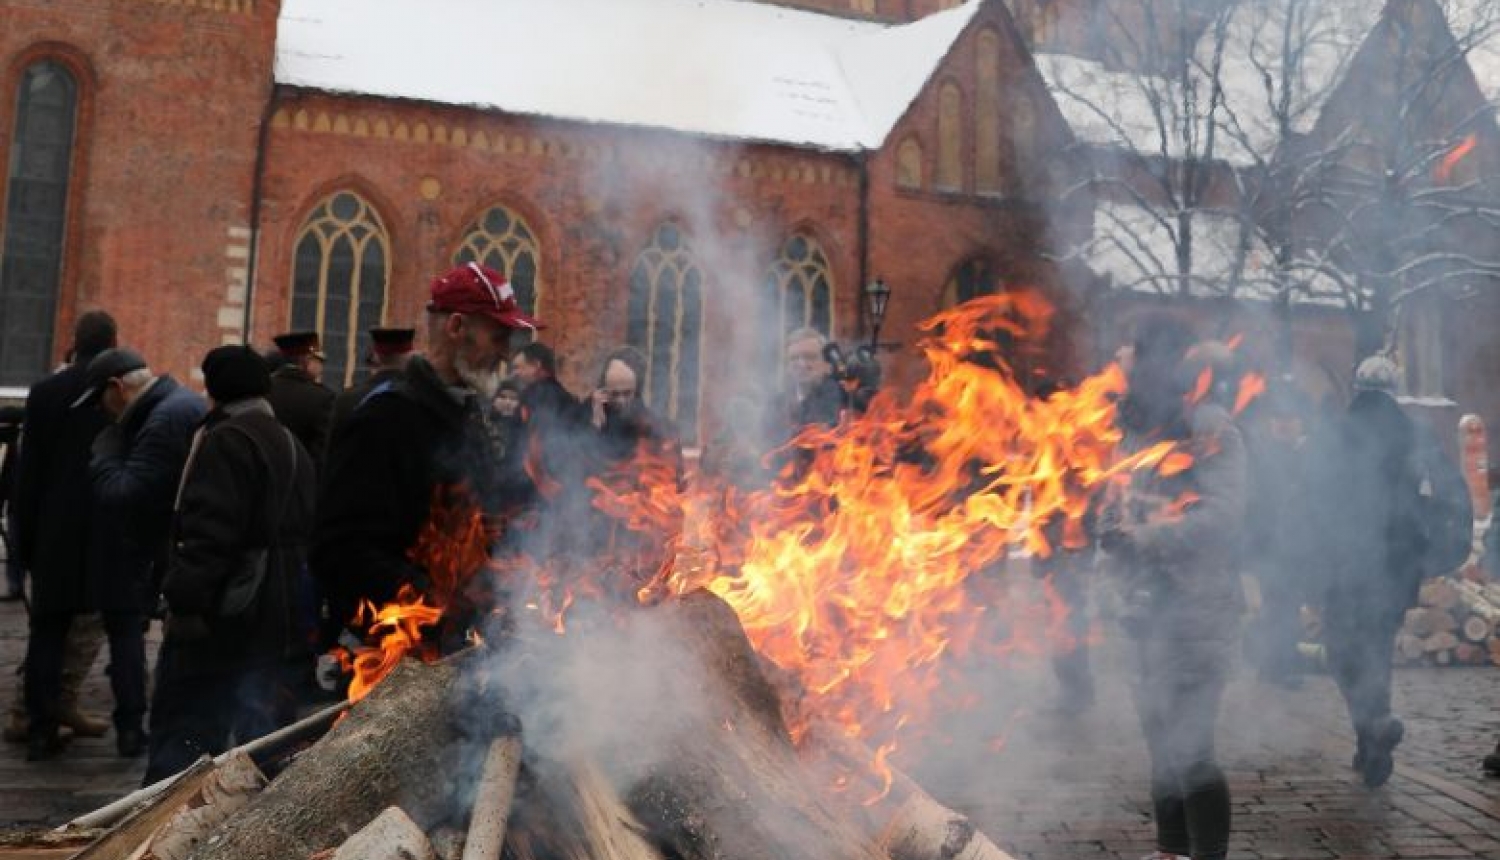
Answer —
(721, 68)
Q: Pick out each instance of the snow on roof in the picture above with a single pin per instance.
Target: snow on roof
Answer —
(1303, 46)
(1476, 26)
(1294, 48)
(1136, 247)
(738, 70)
(1108, 107)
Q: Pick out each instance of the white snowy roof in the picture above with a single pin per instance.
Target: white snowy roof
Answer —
(738, 70)
(1476, 26)
(1145, 112)
(1136, 248)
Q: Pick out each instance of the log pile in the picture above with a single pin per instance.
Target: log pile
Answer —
(1456, 623)
(431, 765)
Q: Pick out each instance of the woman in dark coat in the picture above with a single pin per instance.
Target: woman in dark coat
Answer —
(249, 486)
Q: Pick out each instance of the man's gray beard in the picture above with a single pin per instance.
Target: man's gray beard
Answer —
(486, 382)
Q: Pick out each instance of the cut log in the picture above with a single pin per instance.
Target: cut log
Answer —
(262, 751)
(573, 813)
(1475, 598)
(1494, 646)
(492, 800)
(908, 823)
(1476, 629)
(148, 816)
(398, 745)
(1425, 622)
(1439, 642)
(1408, 648)
(227, 789)
(1439, 593)
(734, 788)
(1443, 658)
(391, 836)
(1469, 654)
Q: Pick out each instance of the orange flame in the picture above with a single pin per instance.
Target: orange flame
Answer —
(1252, 386)
(1443, 173)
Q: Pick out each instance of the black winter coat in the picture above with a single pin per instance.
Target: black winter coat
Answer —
(305, 406)
(53, 502)
(248, 485)
(346, 401)
(136, 468)
(1372, 539)
(409, 439)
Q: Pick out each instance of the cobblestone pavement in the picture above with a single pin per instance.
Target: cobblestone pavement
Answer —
(1074, 787)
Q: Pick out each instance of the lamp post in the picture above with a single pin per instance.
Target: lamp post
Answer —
(877, 297)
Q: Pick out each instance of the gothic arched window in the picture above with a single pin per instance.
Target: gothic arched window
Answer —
(664, 321)
(909, 164)
(950, 166)
(36, 209)
(503, 241)
(800, 287)
(340, 275)
(987, 116)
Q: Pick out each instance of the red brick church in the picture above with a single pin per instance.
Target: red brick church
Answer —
(694, 177)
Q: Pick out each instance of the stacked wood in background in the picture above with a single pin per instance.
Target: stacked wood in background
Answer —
(1456, 623)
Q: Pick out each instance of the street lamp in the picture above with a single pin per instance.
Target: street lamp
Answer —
(877, 297)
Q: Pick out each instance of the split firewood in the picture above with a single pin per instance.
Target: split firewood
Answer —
(492, 800)
(735, 788)
(148, 816)
(1439, 642)
(397, 745)
(391, 836)
(573, 813)
(1494, 646)
(1443, 658)
(1439, 593)
(226, 790)
(908, 822)
(1470, 654)
(1409, 648)
(1425, 621)
(261, 751)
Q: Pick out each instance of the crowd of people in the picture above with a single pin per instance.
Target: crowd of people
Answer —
(255, 522)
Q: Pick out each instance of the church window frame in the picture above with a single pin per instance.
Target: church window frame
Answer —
(800, 285)
(324, 279)
(664, 320)
(42, 144)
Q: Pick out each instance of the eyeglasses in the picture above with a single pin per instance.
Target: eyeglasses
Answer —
(804, 357)
(620, 395)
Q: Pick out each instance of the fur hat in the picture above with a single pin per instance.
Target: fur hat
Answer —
(235, 372)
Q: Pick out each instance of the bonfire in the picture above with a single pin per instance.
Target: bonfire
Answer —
(737, 677)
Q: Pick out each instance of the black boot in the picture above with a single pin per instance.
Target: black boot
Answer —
(42, 745)
(1379, 763)
(130, 742)
(1492, 762)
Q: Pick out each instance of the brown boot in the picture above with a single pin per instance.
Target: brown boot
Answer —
(83, 725)
(17, 727)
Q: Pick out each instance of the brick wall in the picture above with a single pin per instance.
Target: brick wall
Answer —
(170, 100)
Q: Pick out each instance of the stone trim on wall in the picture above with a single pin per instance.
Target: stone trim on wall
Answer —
(233, 7)
(317, 121)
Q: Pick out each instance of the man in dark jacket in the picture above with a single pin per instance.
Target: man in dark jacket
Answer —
(1173, 541)
(390, 349)
(53, 515)
(137, 465)
(302, 403)
(414, 440)
(1373, 544)
(243, 516)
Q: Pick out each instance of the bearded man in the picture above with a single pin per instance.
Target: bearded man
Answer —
(415, 439)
